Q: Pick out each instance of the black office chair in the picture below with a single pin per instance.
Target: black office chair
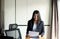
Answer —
(13, 31)
(6, 37)
(13, 26)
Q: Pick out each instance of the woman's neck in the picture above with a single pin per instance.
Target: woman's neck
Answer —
(35, 22)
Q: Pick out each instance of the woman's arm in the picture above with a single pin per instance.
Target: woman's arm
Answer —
(27, 28)
(42, 29)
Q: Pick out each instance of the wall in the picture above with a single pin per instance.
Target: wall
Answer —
(9, 13)
(24, 10)
(59, 18)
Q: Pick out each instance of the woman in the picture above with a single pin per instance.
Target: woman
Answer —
(35, 24)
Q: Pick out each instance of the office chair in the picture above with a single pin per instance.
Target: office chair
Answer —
(13, 31)
(13, 26)
(6, 37)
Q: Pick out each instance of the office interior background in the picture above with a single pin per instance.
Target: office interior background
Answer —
(20, 11)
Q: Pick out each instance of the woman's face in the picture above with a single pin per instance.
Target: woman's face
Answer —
(35, 17)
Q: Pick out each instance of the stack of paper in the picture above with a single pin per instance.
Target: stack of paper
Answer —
(34, 38)
(33, 33)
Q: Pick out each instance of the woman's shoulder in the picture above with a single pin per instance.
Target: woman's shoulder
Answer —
(41, 21)
(29, 21)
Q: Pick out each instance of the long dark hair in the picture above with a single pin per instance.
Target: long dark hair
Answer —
(36, 12)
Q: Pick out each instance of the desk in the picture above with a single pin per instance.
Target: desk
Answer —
(39, 37)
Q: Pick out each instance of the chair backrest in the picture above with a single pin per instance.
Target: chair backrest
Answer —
(13, 26)
(15, 33)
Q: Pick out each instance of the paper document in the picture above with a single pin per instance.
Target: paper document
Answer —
(34, 38)
(33, 33)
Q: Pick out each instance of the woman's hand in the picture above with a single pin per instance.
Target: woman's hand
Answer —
(27, 35)
(41, 35)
